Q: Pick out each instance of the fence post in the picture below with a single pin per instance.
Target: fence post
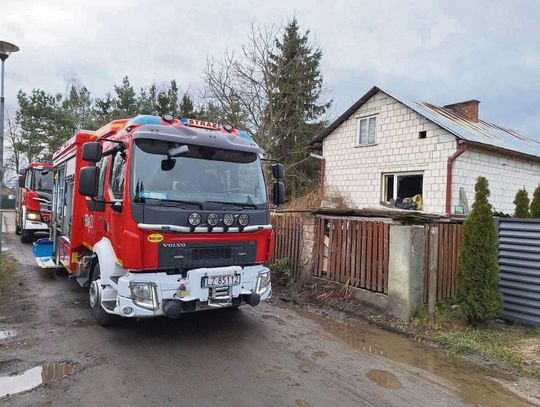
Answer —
(406, 271)
(432, 276)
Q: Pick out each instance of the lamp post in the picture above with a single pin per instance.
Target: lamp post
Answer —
(6, 49)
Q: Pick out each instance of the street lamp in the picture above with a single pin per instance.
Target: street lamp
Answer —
(6, 49)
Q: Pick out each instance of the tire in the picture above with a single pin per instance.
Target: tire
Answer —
(102, 317)
(26, 236)
(61, 272)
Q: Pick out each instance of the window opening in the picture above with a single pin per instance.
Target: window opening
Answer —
(403, 190)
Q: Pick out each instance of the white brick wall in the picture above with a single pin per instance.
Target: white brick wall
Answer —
(506, 174)
(356, 172)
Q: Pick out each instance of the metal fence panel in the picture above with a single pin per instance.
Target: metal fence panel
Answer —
(519, 262)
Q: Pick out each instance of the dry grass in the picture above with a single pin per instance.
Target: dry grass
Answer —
(7, 269)
(309, 202)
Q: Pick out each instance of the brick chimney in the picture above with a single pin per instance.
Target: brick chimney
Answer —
(467, 109)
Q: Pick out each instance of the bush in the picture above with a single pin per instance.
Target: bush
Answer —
(522, 204)
(478, 274)
(535, 204)
(282, 274)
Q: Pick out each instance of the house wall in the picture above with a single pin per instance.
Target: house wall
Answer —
(356, 172)
(506, 174)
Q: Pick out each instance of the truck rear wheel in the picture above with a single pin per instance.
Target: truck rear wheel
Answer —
(102, 317)
(27, 236)
(18, 224)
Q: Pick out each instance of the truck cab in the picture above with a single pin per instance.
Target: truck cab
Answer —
(33, 200)
(159, 216)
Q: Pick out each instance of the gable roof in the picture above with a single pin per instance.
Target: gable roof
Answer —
(480, 132)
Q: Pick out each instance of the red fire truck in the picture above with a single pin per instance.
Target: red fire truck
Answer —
(159, 216)
(33, 205)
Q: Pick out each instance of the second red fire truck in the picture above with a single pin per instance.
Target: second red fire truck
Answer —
(33, 204)
(159, 216)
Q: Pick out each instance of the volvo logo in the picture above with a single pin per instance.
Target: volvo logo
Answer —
(171, 245)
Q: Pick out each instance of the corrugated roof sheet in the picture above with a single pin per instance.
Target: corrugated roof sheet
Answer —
(481, 132)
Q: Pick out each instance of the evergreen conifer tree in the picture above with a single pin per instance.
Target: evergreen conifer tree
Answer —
(478, 274)
(522, 204)
(535, 204)
(297, 110)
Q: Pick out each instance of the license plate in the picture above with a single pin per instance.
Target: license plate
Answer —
(220, 281)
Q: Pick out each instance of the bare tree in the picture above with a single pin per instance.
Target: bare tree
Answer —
(241, 85)
(15, 157)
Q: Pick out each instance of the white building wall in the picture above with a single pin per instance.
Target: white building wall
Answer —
(356, 172)
(505, 173)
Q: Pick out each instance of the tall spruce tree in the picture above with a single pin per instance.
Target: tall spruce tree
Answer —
(535, 204)
(295, 105)
(522, 204)
(125, 102)
(186, 108)
(478, 274)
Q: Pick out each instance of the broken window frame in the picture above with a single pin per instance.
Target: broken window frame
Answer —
(395, 176)
(368, 119)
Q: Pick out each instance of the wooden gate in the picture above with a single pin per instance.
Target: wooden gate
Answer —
(353, 252)
(449, 247)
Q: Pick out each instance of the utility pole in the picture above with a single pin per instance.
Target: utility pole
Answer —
(6, 49)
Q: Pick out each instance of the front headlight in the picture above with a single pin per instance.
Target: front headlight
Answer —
(33, 216)
(144, 294)
(263, 282)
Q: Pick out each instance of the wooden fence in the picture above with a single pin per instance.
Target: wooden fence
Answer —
(288, 240)
(353, 252)
(449, 246)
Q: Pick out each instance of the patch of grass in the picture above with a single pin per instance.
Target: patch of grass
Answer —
(7, 269)
(496, 342)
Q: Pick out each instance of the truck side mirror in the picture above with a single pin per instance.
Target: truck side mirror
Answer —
(92, 152)
(278, 193)
(278, 172)
(22, 178)
(88, 181)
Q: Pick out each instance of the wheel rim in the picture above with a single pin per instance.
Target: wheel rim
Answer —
(93, 294)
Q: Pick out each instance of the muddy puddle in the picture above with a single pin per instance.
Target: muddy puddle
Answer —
(7, 333)
(384, 379)
(470, 381)
(34, 377)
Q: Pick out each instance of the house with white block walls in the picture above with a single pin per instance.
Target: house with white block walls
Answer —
(385, 148)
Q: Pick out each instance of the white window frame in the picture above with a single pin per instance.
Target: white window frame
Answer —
(395, 175)
(359, 128)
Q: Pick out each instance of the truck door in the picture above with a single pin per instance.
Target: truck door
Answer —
(116, 194)
(100, 226)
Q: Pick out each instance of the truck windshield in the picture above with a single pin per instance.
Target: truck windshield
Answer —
(197, 175)
(43, 180)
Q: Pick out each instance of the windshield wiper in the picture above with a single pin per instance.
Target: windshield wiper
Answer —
(179, 201)
(243, 204)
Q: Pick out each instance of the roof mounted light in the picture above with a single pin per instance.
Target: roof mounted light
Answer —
(167, 117)
(227, 127)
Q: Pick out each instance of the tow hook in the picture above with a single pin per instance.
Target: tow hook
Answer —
(172, 308)
(253, 299)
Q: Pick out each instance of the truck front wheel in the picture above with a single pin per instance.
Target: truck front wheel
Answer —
(27, 236)
(102, 317)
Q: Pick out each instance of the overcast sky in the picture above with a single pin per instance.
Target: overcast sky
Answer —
(428, 50)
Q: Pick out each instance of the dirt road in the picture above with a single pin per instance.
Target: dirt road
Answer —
(271, 355)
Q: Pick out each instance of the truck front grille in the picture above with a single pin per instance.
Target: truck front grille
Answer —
(196, 255)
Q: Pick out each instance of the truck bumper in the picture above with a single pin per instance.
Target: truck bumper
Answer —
(35, 226)
(171, 295)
